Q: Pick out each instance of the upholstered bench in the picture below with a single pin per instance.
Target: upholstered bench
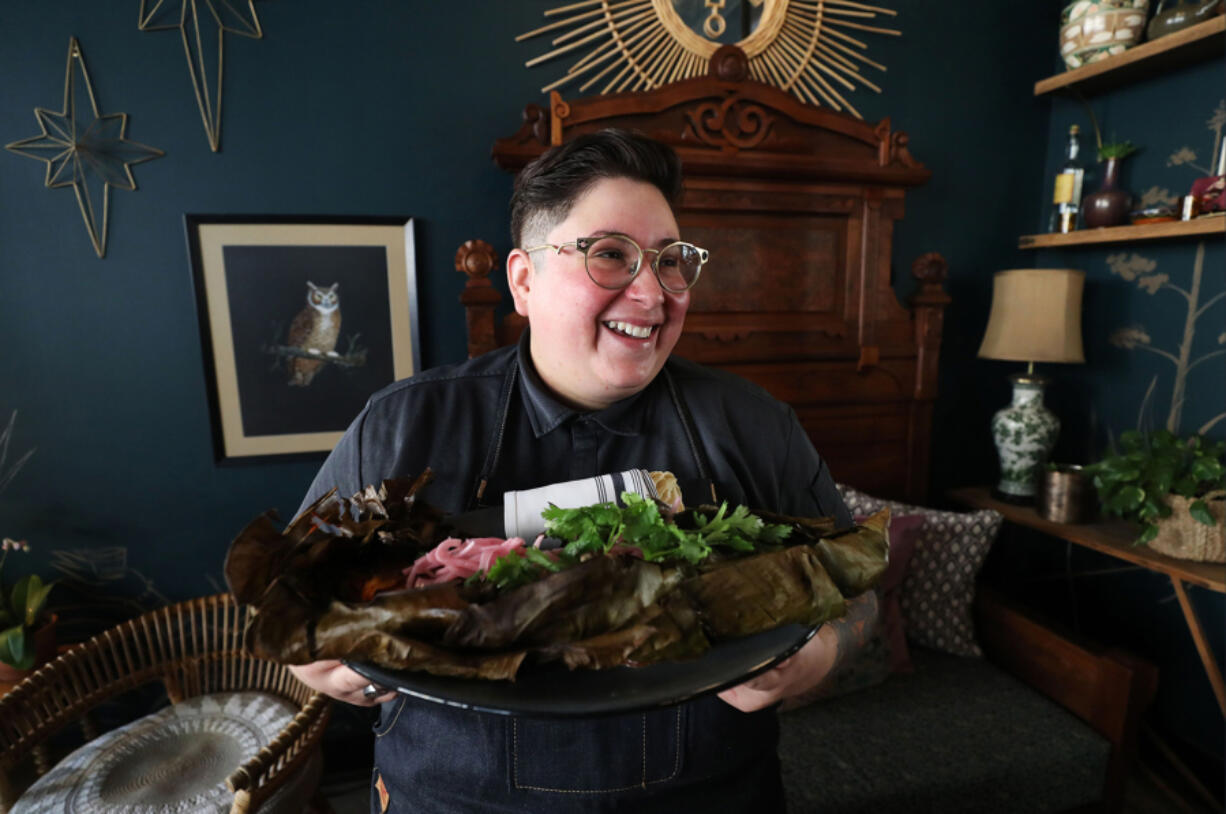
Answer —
(963, 734)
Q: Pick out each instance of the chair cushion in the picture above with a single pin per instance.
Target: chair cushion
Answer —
(176, 759)
(957, 735)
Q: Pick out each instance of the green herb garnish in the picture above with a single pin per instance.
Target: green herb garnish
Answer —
(514, 568)
(638, 523)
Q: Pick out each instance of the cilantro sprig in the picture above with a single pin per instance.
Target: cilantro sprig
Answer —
(638, 523)
(516, 568)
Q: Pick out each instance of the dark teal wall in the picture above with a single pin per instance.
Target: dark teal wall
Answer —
(387, 108)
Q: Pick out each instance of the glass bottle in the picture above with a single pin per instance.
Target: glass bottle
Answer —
(1066, 199)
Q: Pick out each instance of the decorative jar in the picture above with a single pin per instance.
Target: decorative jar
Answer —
(1091, 30)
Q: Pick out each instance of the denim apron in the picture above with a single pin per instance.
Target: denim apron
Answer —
(699, 756)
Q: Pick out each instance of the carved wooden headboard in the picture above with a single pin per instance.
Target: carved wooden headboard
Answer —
(797, 206)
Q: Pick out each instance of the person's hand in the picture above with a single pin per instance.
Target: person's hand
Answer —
(334, 679)
(803, 670)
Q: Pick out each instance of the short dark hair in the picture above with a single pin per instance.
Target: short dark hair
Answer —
(548, 187)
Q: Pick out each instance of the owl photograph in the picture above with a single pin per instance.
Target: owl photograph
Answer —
(301, 367)
(314, 331)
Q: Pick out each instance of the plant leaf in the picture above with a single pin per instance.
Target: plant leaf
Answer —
(13, 651)
(1128, 499)
(1200, 512)
(1148, 533)
(1206, 469)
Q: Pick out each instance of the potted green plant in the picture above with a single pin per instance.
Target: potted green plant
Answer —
(1167, 483)
(24, 619)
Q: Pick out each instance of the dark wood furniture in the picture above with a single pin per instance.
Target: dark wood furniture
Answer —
(1115, 539)
(797, 205)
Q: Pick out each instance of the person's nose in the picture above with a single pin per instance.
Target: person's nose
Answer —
(645, 287)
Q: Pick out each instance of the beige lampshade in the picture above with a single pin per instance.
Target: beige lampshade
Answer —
(1036, 316)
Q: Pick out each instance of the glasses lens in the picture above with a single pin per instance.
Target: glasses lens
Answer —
(612, 261)
(678, 266)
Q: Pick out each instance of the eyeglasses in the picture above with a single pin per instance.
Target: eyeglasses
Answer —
(613, 261)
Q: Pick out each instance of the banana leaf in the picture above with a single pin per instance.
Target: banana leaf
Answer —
(594, 597)
(857, 559)
(315, 591)
(763, 592)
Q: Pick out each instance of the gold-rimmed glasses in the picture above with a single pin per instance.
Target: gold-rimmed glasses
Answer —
(613, 261)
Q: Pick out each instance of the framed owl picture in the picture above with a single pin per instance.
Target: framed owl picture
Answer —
(302, 318)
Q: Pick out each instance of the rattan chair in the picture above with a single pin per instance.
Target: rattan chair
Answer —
(193, 648)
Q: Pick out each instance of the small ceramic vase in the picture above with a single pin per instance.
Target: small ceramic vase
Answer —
(1025, 433)
(1180, 15)
(1109, 205)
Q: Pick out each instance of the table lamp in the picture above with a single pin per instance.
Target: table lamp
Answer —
(1035, 317)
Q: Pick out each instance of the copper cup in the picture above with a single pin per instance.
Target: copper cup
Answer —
(1066, 495)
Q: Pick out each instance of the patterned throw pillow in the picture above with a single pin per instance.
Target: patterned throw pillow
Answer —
(940, 582)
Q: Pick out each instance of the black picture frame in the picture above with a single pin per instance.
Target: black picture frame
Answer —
(285, 377)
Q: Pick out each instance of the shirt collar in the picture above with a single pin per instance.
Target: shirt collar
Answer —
(546, 413)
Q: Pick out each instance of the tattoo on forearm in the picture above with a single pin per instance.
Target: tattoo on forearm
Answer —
(855, 627)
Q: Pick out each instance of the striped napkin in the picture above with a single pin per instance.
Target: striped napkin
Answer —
(521, 511)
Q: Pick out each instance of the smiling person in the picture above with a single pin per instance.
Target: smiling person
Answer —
(603, 275)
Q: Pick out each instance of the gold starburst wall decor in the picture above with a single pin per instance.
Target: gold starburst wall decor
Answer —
(84, 149)
(203, 25)
(810, 48)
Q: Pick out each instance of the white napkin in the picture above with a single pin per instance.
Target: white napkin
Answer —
(521, 511)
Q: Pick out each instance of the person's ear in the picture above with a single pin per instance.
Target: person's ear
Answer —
(519, 279)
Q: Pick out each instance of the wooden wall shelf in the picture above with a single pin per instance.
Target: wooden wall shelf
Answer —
(1126, 234)
(1108, 537)
(1193, 44)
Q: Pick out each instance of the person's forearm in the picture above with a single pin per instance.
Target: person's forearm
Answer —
(850, 632)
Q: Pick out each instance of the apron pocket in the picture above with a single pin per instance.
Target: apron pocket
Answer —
(596, 755)
(389, 714)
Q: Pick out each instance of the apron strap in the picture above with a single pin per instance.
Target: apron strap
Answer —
(687, 424)
(494, 450)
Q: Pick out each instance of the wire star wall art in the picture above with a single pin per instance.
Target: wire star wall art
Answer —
(85, 149)
(809, 48)
(200, 24)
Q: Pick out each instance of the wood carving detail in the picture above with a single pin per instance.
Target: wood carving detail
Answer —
(729, 63)
(734, 123)
(477, 259)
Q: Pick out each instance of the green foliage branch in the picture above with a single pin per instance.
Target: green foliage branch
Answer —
(1134, 481)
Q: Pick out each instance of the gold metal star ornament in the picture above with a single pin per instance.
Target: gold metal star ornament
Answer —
(203, 25)
(84, 149)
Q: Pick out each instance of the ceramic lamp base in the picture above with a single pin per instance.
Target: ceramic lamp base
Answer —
(1025, 433)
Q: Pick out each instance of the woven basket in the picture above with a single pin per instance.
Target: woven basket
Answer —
(1185, 538)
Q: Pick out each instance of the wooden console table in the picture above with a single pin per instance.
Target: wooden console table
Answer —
(1115, 539)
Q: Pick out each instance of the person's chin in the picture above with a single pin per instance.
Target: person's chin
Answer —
(630, 379)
